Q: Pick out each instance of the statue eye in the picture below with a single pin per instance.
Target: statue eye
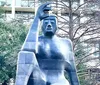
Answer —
(46, 22)
(52, 21)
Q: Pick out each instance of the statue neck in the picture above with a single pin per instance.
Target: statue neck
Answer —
(50, 37)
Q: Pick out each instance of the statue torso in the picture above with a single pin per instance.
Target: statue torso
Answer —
(51, 57)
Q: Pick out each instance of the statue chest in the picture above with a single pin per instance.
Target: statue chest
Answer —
(49, 49)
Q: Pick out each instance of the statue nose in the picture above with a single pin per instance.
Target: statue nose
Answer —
(49, 25)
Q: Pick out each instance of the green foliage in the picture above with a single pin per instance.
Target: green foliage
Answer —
(1, 14)
(79, 53)
(11, 39)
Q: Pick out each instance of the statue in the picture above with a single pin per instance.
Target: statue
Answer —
(44, 59)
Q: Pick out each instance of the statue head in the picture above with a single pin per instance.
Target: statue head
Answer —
(49, 25)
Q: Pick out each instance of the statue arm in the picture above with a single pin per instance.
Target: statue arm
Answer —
(70, 67)
(72, 73)
(27, 61)
(25, 64)
(31, 41)
(32, 36)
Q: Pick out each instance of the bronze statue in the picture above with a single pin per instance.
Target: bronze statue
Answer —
(44, 59)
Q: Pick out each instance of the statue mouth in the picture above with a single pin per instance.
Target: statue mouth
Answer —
(49, 29)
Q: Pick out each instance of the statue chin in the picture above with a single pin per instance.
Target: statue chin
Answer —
(49, 33)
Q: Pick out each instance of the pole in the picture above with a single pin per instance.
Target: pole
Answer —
(13, 9)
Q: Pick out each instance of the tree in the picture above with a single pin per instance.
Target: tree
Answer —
(79, 22)
(81, 34)
(11, 39)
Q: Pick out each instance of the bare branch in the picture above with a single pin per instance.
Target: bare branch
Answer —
(81, 59)
(87, 55)
(80, 6)
(63, 18)
(79, 16)
(60, 4)
(64, 4)
(93, 30)
(63, 30)
(97, 37)
(62, 22)
(90, 59)
(82, 34)
(82, 25)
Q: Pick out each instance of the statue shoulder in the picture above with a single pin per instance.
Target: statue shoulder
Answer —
(68, 42)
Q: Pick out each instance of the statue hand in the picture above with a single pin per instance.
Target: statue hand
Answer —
(41, 11)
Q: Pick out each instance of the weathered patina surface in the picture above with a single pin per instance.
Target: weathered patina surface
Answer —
(44, 59)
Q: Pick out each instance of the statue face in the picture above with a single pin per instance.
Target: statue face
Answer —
(49, 26)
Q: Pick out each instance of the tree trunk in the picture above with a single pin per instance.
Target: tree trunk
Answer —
(70, 21)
